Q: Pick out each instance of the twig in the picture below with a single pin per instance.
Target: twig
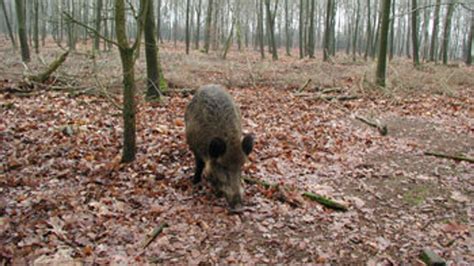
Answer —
(380, 127)
(106, 94)
(312, 196)
(154, 234)
(448, 156)
(68, 16)
(304, 86)
(339, 98)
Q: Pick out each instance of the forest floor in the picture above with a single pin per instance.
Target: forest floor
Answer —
(65, 197)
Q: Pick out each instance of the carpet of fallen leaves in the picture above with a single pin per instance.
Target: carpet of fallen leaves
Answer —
(65, 197)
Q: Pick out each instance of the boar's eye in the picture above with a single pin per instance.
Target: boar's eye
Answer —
(247, 143)
(217, 148)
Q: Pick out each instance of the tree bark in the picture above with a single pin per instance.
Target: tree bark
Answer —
(392, 32)
(25, 50)
(207, 36)
(382, 58)
(271, 27)
(36, 27)
(434, 32)
(7, 21)
(368, 46)
(469, 42)
(414, 32)
(301, 31)
(311, 30)
(356, 33)
(287, 30)
(198, 25)
(447, 31)
(127, 56)
(187, 37)
(98, 19)
(327, 31)
(153, 67)
(260, 28)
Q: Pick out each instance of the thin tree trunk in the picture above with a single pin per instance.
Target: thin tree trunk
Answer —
(98, 19)
(434, 32)
(447, 31)
(327, 31)
(158, 21)
(198, 26)
(271, 27)
(356, 33)
(301, 31)
(153, 68)
(311, 30)
(7, 21)
(207, 36)
(368, 46)
(188, 33)
(469, 42)
(20, 12)
(382, 59)
(392, 32)
(287, 30)
(260, 28)
(36, 27)
(414, 32)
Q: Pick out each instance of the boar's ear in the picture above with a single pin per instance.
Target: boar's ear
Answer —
(217, 147)
(247, 143)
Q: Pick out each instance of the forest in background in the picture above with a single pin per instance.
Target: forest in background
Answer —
(364, 131)
(351, 26)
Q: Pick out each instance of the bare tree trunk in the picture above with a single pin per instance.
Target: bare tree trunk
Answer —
(287, 30)
(447, 31)
(36, 26)
(98, 19)
(198, 25)
(356, 29)
(414, 32)
(155, 79)
(382, 59)
(301, 32)
(260, 28)
(392, 32)
(127, 54)
(20, 13)
(187, 37)
(7, 21)
(434, 32)
(327, 31)
(271, 27)
(368, 46)
(311, 30)
(207, 36)
(158, 21)
(469, 42)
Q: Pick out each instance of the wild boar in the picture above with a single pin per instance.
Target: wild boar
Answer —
(214, 135)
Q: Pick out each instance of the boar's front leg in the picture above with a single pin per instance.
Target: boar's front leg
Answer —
(199, 169)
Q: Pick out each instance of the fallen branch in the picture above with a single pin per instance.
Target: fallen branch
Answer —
(304, 86)
(154, 234)
(448, 156)
(325, 201)
(312, 196)
(380, 127)
(44, 76)
(339, 98)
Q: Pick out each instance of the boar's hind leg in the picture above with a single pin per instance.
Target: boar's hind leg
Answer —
(199, 168)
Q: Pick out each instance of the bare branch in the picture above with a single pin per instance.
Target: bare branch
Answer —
(72, 19)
